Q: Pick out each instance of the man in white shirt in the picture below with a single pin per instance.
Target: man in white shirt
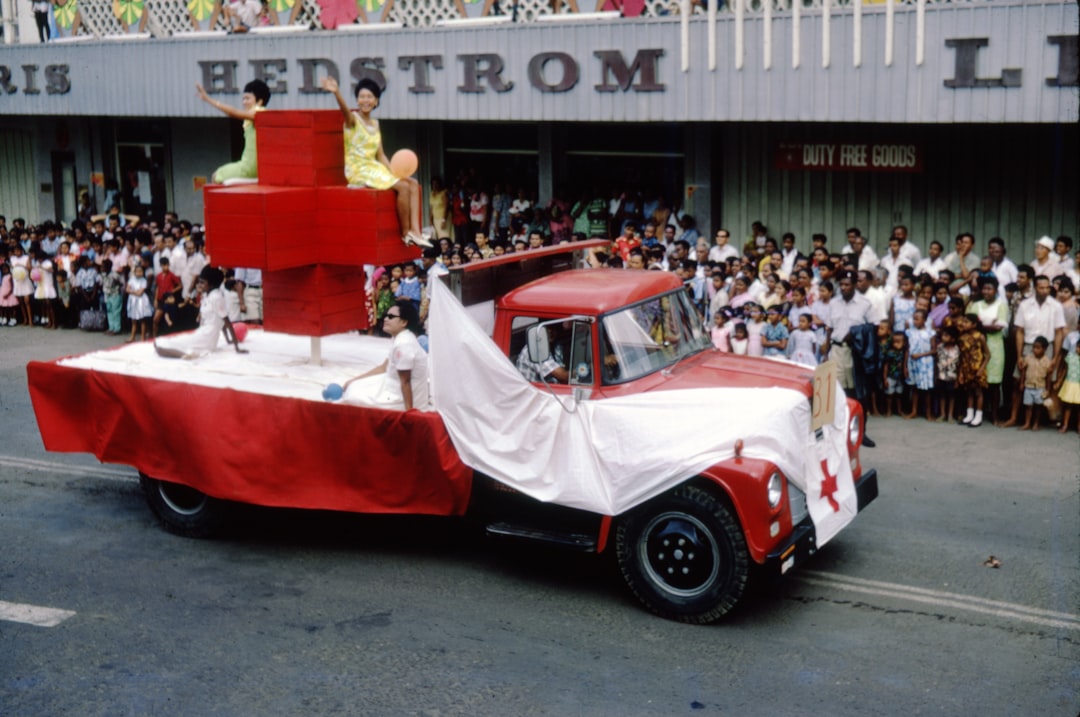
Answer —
(1041, 315)
(789, 253)
(1062, 247)
(867, 258)
(177, 256)
(1004, 268)
(193, 265)
(907, 250)
(878, 298)
(250, 287)
(723, 248)
(1074, 273)
(1044, 264)
(964, 260)
(849, 309)
(932, 263)
(891, 263)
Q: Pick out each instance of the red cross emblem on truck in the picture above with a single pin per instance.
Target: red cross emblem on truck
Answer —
(828, 486)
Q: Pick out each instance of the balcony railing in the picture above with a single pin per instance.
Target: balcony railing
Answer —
(73, 20)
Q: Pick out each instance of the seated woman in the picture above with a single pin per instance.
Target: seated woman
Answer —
(401, 381)
(255, 98)
(213, 321)
(366, 164)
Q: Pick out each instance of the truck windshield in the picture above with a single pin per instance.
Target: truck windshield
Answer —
(650, 336)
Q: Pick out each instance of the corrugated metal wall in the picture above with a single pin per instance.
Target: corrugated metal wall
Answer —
(1016, 182)
(872, 91)
(18, 187)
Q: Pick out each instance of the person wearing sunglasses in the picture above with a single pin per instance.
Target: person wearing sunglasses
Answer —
(405, 371)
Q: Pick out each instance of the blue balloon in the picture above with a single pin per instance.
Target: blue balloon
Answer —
(333, 392)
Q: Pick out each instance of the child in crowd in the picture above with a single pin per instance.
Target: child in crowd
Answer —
(112, 286)
(804, 342)
(903, 305)
(956, 308)
(1068, 387)
(971, 377)
(877, 397)
(384, 296)
(947, 367)
(8, 302)
(774, 335)
(1034, 377)
(409, 288)
(754, 327)
(740, 340)
(63, 301)
(139, 308)
(920, 368)
(720, 332)
(893, 371)
(45, 288)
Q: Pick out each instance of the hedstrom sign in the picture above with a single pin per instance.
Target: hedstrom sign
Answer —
(479, 73)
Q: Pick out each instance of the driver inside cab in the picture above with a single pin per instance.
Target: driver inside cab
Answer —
(553, 368)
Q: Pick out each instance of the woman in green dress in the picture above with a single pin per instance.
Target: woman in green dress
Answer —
(993, 313)
(255, 98)
(366, 163)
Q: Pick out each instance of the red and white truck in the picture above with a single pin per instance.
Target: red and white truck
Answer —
(709, 463)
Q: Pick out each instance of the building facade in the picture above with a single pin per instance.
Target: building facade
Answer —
(946, 117)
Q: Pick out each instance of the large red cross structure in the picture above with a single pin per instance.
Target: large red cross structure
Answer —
(304, 227)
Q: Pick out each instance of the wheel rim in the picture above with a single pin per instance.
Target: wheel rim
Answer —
(679, 554)
(181, 499)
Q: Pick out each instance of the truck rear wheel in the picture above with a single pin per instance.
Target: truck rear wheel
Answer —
(684, 556)
(182, 509)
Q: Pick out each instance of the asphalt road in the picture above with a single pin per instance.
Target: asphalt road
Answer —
(323, 614)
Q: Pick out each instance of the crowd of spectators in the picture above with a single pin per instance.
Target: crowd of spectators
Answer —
(103, 272)
(955, 336)
(959, 335)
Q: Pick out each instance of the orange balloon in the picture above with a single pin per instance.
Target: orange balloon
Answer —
(404, 163)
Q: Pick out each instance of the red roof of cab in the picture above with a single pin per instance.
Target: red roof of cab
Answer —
(589, 291)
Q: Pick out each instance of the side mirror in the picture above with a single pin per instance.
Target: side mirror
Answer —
(537, 340)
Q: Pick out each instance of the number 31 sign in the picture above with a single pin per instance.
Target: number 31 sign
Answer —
(824, 405)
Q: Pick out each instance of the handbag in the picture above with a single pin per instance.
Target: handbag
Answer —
(92, 320)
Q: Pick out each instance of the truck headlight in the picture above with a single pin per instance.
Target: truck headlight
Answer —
(853, 430)
(776, 489)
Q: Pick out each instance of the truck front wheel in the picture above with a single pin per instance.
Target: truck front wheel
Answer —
(684, 555)
(181, 509)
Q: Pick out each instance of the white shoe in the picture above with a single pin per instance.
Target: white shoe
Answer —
(417, 239)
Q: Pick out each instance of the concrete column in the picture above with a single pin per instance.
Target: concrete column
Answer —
(697, 197)
(545, 188)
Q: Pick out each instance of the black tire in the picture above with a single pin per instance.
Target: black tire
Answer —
(684, 556)
(181, 509)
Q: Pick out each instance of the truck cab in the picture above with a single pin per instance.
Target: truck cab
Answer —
(686, 553)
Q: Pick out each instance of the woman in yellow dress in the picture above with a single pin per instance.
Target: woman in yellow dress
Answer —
(365, 161)
(255, 98)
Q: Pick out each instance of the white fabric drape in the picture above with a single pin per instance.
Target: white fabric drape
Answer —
(610, 455)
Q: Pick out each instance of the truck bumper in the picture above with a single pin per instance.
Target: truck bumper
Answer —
(803, 541)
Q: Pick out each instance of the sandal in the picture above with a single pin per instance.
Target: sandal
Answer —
(416, 239)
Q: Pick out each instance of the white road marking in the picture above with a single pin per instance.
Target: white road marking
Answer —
(33, 614)
(997, 608)
(67, 469)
